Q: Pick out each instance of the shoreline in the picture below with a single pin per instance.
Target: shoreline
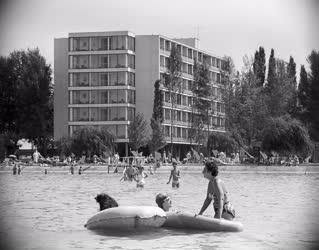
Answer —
(314, 167)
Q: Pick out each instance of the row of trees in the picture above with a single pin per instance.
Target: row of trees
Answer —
(272, 112)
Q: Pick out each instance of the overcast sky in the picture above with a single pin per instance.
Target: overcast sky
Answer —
(224, 27)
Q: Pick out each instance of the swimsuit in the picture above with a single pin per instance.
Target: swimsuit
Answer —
(227, 207)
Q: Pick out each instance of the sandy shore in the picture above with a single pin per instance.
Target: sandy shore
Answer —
(166, 168)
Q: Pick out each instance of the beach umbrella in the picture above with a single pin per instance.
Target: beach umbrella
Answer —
(12, 156)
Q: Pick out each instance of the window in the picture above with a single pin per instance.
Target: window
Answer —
(162, 61)
(104, 79)
(167, 45)
(94, 97)
(184, 116)
(131, 114)
(80, 114)
(95, 79)
(131, 43)
(121, 97)
(179, 99)
(80, 43)
(104, 114)
(166, 130)
(218, 77)
(94, 114)
(179, 134)
(131, 96)
(80, 97)
(190, 54)
(167, 114)
(184, 100)
(80, 79)
(80, 62)
(178, 114)
(190, 69)
(166, 97)
(131, 79)
(118, 42)
(131, 61)
(189, 87)
(162, 44)
(121, 131)
(184, 51)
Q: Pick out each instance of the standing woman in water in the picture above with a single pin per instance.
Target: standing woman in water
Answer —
(216, 190)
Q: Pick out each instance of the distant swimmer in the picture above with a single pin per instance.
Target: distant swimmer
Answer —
(175, 174)
(19, 169)
(140, 177)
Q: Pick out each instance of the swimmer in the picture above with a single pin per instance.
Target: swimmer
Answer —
(175, 174)
(140, 177)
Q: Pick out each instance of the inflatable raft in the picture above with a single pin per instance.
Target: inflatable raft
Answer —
(199, 222)
(127, 217)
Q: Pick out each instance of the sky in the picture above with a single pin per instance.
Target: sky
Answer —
(229, 27)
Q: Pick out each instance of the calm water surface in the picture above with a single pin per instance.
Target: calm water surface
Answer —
(37, 211)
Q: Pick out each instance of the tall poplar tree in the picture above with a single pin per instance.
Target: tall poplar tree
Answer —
(271, 79)
(259, 66)
(157, 139)
(313, 59)
(303, 94)
(172, 83)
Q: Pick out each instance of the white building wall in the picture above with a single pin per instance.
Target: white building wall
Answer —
(147, 72)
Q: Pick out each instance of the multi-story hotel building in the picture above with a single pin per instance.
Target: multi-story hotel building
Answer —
(103, 79)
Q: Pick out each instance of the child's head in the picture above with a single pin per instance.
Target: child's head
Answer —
(164, 202)
(210, 169)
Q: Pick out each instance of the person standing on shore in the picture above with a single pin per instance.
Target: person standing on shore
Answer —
(80, 170)
(175, 174)
(19, 169)
(216, 190)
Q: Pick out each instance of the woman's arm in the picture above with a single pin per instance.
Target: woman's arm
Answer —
(207, 201)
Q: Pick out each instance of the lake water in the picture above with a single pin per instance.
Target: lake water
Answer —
(37, 211)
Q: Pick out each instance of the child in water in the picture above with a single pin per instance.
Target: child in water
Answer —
(140, 177)
(175, 174)
(216, 190)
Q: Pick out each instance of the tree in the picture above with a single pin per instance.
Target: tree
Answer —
(8, 97)
(89, 141)
(26, 96)
(291, 72)
(304, 95)
(271, 79)
(259, 66)
(313, 107)
(137, 132)
(202, 95)
(172, 82)
(286, 135)
(222, 142)
(158, 139)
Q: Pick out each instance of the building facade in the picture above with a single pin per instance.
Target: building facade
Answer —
(103, 79)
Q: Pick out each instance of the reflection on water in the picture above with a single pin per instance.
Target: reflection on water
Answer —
(278, 211)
